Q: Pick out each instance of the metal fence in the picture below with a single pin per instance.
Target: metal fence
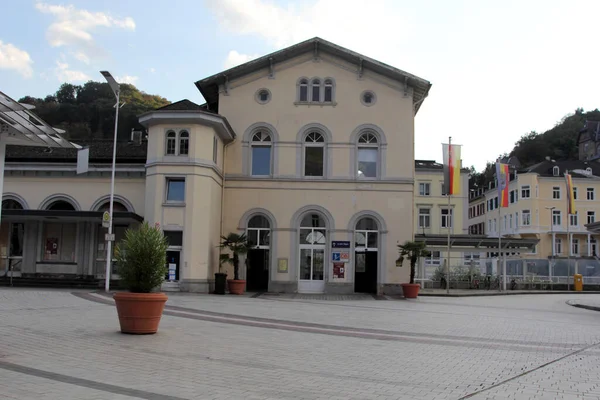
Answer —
(484, 273)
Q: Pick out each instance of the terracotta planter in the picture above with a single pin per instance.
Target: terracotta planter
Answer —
(410, 290)
(236, 286)
(139, 313)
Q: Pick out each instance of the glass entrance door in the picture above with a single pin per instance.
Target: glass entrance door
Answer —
(11, 248)
(172, 266)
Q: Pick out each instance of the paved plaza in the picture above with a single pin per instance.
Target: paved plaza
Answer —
(66, 345)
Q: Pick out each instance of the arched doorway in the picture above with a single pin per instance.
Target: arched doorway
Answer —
(312, 243)
(366, 239)
(12, 235)
(258, 232)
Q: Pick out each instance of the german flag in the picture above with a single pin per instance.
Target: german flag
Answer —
(570, 195)
(503, 179)
(451, 168)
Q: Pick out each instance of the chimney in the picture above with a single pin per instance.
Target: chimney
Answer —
(136, 136)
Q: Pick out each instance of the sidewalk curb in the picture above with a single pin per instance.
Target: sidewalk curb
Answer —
(507, 293)
(584, 306)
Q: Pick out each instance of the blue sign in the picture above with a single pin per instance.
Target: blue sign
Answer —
(340, 244)
(336, 256)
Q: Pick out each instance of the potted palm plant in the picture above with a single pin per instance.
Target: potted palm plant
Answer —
(236, 244)
(141, 264)
(413, 251)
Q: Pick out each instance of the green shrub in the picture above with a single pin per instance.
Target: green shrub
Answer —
(141, 258)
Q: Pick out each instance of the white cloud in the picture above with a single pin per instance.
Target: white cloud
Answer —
(74, 27)
(152, 70)
(127, 79)
(488, 81)
(11, 57)
(82, 57)
(234, 58)
(64, 74)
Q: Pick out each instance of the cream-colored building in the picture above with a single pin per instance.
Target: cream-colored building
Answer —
(538, 210)
(309, 150)
(433, 217)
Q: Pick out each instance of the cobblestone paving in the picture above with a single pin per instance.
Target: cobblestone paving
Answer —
(56, 345)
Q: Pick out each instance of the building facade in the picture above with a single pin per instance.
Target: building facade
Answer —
(538, 210)
(309, 150)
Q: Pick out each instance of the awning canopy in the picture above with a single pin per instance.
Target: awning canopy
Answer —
(119, 217)
(476, 242)
(20, 126)
(594, 227)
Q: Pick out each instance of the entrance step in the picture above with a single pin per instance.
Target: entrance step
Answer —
(170, 287)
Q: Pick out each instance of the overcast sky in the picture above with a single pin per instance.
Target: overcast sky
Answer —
(499, 69)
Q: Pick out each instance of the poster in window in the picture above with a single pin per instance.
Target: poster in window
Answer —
(52, 246)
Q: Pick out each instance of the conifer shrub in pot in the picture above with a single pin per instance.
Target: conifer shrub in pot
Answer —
(141, 265)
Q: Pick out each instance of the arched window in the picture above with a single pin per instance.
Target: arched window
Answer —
(328, 91)
(259, 232)
(366, 234)
(60, 205)
(171, 143)
(555, 171)
(261, 153)
(303, 90)
(313, 239)
(184, 143)
(117, 207)
(367, 155)
(314, 154)
(315, 86)
(11, 204)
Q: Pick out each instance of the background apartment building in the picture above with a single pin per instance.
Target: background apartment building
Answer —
(538, 210)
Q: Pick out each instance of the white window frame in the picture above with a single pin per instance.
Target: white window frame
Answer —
(574, 246)
(322, 144)
(368, 140)
(424, 217)
(557, 245)
(574, 219)
(591, 217)
(556, 217)
(590, 194)
(261, 139)
(175, 179)
(526, 189)
(574, 193)
(175, 136)
(526, 215)
(435, 258)
(446, 219)
(556, 193)
(424, 188)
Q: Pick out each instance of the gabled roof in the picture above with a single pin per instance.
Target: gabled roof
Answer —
(182, 105)
(100, 152)
(209, 87)
(545, 168)
(432, 165)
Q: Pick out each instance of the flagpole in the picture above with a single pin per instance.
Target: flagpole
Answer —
(500, 243)
(569, 252)
(448, 191)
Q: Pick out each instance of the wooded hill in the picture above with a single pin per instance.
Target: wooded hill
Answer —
(558, 143)
(87, 111)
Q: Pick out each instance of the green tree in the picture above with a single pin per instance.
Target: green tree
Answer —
(413, 251)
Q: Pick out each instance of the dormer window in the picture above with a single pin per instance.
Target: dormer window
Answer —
(177, 143)
(316, 90)
(555, 171)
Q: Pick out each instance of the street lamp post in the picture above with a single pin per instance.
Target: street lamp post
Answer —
(552, 241)
(116, 89)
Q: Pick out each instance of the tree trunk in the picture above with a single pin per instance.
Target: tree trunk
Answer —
(413, 263)
(236, 267)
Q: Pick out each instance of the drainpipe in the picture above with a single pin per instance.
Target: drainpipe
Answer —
(223, 189)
